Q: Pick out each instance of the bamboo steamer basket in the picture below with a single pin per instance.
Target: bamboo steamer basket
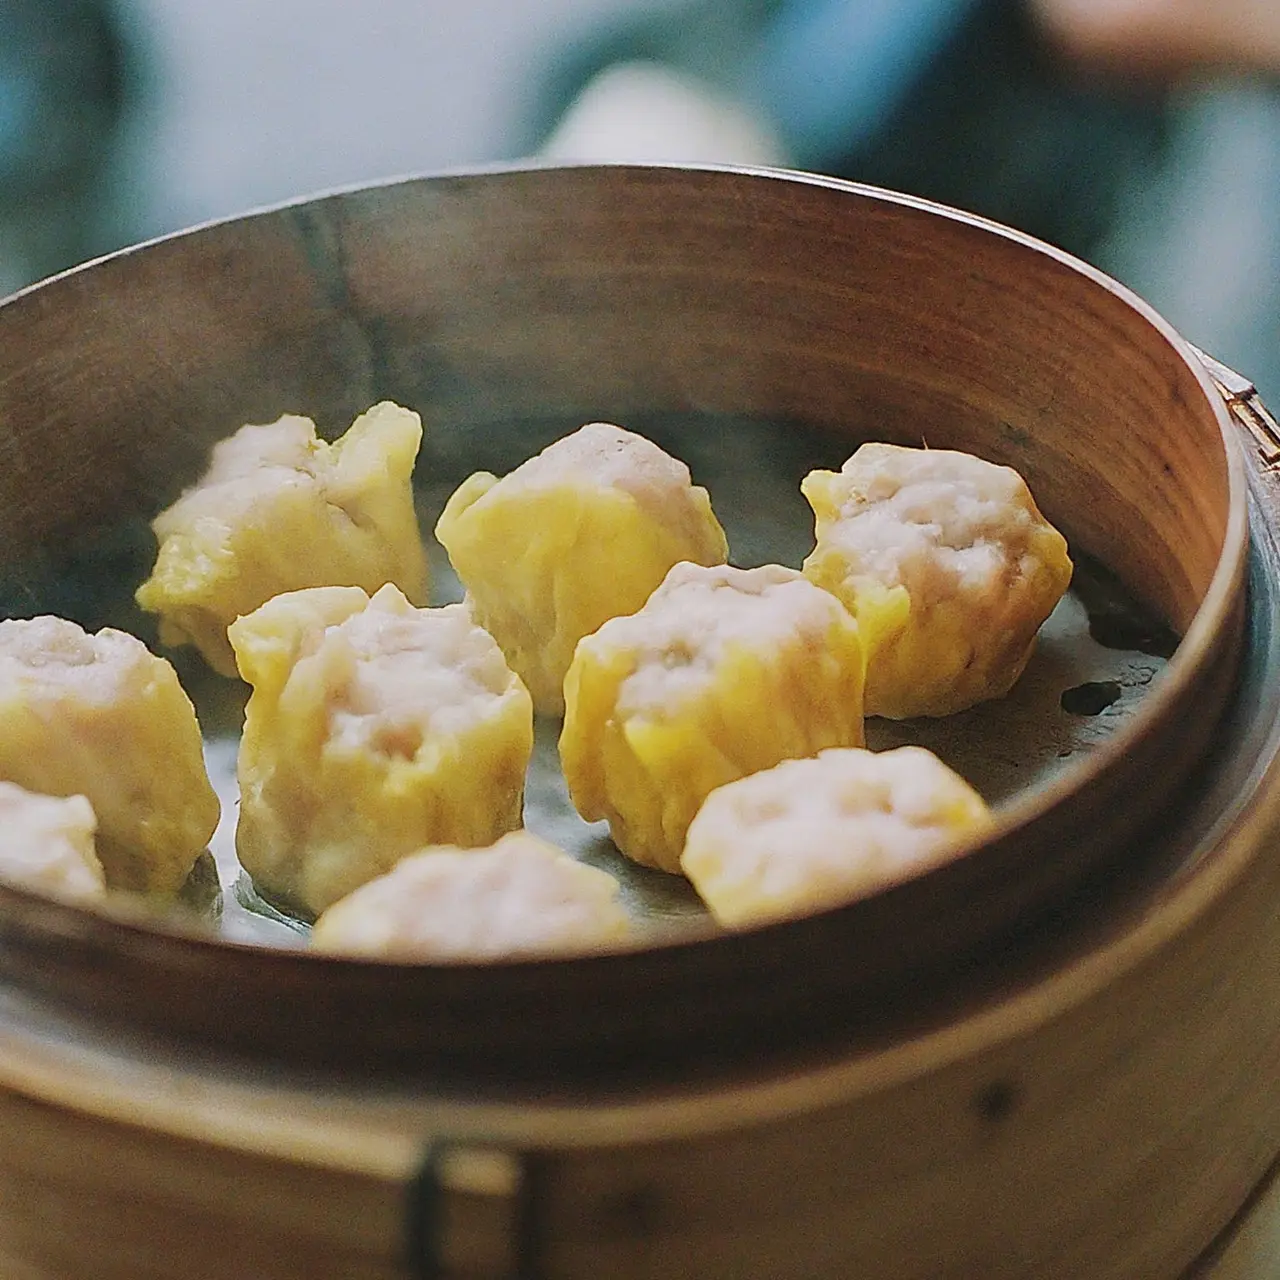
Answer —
(1054, 1056)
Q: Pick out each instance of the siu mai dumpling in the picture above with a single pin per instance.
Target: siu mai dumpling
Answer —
(279, 510)
(809, 834)
(948, 566)
(374, 728)
(520, 897)
(48, 846)
(101, 716)
(579, 534)
(723, 672)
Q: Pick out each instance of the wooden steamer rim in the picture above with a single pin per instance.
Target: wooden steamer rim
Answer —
(1067, 1088)
(455, 293)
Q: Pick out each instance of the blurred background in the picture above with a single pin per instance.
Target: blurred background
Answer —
(1151, 150)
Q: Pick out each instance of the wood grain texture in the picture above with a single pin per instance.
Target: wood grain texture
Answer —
(110, 1200)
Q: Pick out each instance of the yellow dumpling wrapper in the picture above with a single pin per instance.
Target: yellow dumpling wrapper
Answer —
(581, 533)
(948, 566)
(722, 673)
(100, 716)
(374, 728)
(519, 897)
(810, 834)
(48, 844)
(279, 510)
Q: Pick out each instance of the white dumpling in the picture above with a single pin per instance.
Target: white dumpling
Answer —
(103, 717)
(724, 671)
(48, 844)
(520, 897)
(811, 833)
(374, 728)
(280, 509)
(581, 533)
(948, 566)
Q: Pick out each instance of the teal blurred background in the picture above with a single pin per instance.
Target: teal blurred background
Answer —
(121, 120)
